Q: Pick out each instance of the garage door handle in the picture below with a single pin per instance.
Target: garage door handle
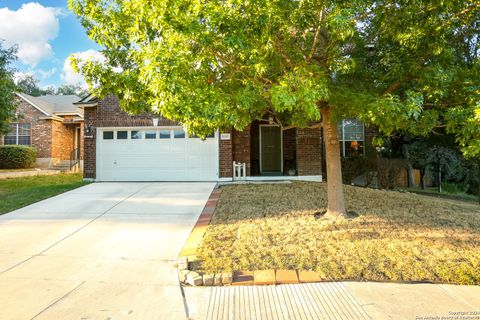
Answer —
(114, 161)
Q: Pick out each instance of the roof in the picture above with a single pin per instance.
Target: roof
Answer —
(54, 105)
(87, 101)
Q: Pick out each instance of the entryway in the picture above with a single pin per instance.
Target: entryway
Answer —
(271, 150)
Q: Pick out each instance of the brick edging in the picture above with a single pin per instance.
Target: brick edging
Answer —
(196, 235)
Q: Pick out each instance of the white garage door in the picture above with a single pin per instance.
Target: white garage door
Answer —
(155, 154)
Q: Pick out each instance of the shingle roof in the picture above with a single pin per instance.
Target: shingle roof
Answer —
(53, 105)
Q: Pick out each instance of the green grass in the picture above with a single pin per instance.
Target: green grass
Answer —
(397, 236)
(446, 195)
(20, 192)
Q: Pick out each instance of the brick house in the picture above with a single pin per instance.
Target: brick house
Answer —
(51, 124)
(123, 147)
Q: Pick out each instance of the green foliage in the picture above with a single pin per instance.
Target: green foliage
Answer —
(408, 67)
(70, 89)
(7, 87)
(17, 157)
(27, 83)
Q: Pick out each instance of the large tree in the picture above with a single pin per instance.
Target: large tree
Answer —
(7, 87)
(27, 83)
(399, 65)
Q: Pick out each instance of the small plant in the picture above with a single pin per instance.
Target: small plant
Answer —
(454, 188)
(17, 157)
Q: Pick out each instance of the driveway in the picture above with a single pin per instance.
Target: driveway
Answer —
(103, 251)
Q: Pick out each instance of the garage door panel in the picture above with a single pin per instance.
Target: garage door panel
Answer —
(159, 159)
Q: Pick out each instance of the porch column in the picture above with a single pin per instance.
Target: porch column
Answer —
(309, 152)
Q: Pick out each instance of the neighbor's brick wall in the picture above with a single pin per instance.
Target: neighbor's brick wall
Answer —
(63, 139)
(41, 130)
(309, 151)
(241, 147)
(109, 114)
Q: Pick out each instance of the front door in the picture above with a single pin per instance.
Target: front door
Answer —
(270, 149)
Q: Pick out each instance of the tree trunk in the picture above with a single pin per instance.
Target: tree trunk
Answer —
(439, 177)
(336, 199)
(411, 178)
(422, 179)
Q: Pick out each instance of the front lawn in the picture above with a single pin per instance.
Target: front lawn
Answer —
(397, 236)
(20, 192)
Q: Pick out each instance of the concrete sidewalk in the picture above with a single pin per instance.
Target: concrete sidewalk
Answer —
(334, 300)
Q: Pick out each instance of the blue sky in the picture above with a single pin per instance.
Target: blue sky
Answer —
(46, 33)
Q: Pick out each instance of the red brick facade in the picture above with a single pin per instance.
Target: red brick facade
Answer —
(302, 147)
(51, 137)
(241, 147)
(309, 151)
(226, 157)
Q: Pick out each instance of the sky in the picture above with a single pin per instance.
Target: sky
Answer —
(46, 34)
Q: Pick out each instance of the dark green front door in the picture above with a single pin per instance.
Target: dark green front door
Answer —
(270, 149)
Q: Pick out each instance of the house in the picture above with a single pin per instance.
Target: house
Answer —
(51, 124)
(122, 147)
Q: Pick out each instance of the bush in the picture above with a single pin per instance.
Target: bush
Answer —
(454, 188)
(17, 157)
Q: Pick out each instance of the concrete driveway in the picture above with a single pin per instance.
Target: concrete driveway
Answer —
(103, 251)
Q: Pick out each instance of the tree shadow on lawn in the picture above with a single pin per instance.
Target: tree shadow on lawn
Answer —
(397, 236)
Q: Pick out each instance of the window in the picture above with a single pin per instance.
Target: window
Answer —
(122, 135)
(19, 134)
(107, 135)
(164, 134)
(136, 134)
(178, 133)
(351, 133)
(150, 134)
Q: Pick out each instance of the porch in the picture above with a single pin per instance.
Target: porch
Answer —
(270, 152)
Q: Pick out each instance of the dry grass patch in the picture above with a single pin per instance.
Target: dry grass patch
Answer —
(397, 236)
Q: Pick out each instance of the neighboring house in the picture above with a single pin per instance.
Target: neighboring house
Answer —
(51, 124)
(121, 147)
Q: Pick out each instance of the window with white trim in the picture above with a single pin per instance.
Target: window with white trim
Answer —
(19, 134)
(351, 134)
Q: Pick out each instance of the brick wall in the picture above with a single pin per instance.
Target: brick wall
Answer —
(241, 147)
(41, 130)
(226, 157)
(308, 151)
(63, 139)
(289, 148)
(109, 114)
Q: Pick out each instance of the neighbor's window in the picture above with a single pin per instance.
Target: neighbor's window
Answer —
(150, 134)
(352, 137)
(136, 134)
(19, 134)
(107, 135)
(164, 134)
(122, 135)
(178, 133)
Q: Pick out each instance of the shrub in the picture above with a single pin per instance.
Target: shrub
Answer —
(17, 157)
(454, 188)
